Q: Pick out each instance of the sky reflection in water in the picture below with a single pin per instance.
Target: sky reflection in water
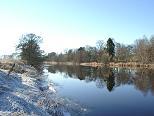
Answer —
(107, 91)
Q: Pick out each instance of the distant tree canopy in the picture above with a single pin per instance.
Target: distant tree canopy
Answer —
(141, 51)
(85, 54)
(30, 49)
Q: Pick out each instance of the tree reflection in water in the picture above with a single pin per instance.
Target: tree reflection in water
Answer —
(110, 78)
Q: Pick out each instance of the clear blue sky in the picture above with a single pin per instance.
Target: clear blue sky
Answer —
(74, 23)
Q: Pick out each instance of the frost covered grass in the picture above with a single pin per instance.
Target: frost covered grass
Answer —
(20, 95)
(30, 94)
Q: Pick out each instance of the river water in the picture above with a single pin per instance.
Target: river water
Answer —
(106, 91)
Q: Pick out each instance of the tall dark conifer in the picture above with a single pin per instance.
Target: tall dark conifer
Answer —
(110, 48)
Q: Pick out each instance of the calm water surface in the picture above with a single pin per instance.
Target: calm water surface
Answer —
(106, 91)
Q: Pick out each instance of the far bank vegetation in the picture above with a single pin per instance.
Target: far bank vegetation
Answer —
(138, 54)
(110, 53)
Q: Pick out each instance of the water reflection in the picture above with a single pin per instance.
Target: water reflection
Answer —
(142, 80)
(110, 80)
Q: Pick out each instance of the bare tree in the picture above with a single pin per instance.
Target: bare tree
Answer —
(151, 50)
(123, 52)
(141, 49)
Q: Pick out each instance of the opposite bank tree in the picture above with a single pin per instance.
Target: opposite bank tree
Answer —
(110, 48)
(29, 46)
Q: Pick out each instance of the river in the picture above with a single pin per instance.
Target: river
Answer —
(106, 91)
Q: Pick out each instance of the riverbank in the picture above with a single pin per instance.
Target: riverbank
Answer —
(60, 63)
(132, 65)
(22, 94)
(28, 93)
(120, 64)
(112, 64)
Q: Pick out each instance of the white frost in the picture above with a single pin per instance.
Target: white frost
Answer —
(28, 94)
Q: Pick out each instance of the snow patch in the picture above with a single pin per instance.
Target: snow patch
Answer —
(30, 94)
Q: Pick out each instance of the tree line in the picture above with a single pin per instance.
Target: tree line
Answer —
(86, 54)
(141, 51)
